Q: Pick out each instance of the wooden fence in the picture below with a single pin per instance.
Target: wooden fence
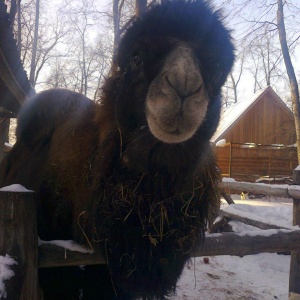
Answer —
(19, 239)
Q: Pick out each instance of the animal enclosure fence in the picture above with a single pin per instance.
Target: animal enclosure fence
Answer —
(19, 239)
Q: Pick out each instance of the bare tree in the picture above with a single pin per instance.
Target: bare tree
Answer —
(37, 35)
(265, 61)
(123, 13)
(84, 53)
(19, 25)
(256, 30)
(47, 45)
(234, 79)
(117, 11)
(294, 89)
(87, 56)
(35, 43)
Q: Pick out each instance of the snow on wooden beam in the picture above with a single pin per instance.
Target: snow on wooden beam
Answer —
(286, 191)
(253, 242)
(248, 221)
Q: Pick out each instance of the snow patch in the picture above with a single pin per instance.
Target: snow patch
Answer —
(68, 245)
(262, 276)
(221, 143)
(5, 272)
(15, 188)
(280, 215)
(265, 233)
(228, 179)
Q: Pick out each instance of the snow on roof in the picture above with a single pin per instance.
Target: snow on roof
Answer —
(232, 113)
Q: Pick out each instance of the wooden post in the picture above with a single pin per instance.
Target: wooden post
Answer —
(19, 239)
(294, 284)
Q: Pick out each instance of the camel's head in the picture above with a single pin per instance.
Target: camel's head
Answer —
(172, 64)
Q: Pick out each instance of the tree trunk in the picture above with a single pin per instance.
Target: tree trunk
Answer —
(12, 12)
(117, 9)
(19, 38)
(290, 71)
(140, 7)
(234, 87)
(34, 46)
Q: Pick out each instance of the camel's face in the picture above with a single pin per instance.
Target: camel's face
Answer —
(177, 99)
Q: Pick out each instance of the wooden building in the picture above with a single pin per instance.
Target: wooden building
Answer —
(256, 139)
(14, 83)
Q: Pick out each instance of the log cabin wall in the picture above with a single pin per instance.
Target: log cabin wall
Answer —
(253, 164)
(251, 151)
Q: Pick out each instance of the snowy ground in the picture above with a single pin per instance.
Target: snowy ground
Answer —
(263, 276)
(257, 277)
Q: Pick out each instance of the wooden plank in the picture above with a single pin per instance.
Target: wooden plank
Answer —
(294, 282)
(7, 115)
(4, 113)
(18, 238)
(248, 243)
(10, 81)
(227, 197)
(4, 127)
(54, 256)
(294, 296)
(216, 244)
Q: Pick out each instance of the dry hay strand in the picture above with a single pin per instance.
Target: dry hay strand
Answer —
(181, 218)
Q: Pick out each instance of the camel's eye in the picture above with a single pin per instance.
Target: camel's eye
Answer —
(137, 61)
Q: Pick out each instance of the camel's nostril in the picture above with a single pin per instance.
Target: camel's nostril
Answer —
(169, 83)
(190, 85)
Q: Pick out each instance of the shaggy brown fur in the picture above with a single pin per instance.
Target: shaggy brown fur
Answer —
(134, 175)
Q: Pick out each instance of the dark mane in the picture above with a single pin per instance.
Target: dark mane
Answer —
(135, 174)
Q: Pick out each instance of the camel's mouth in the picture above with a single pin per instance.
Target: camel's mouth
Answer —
(177, 100)
(171, 122)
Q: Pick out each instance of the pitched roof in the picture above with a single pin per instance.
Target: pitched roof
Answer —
(14, 83)
(231, 115)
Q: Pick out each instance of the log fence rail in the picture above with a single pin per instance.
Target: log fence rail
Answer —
(19, 239)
